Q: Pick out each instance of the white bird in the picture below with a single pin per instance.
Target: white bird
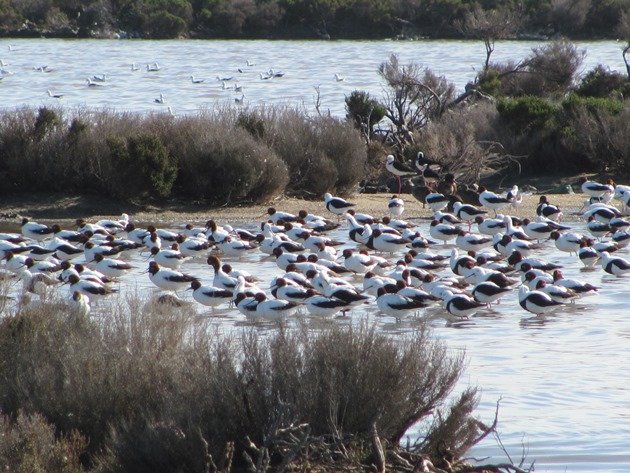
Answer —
(492, 201)
(56, 96)
(596, 189)
(443, 231)
(160, 99)
(614, 265)
(536, 302)
(168, 279)
(80, 304)
(36, 231)
(208, 295)
(322, 306)
(460, 305)
(339, 78)
(274, 309)
(396, 305)
(239, 100)
(396, 206)
(336, 205)
(195, 80)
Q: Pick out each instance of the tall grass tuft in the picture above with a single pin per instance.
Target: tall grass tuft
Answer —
(156, 389)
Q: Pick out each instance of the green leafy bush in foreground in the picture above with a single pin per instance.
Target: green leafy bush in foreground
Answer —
(155, 388)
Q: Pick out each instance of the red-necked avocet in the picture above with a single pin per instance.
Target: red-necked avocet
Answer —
(168, 279)
(36, 231)
(208, 295)
(614, 265)
(536, 302)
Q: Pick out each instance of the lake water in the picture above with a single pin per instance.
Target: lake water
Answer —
(306, 65)
(562, 379)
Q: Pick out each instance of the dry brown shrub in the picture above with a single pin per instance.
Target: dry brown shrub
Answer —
(150, 382)
(28, 444)
(466, 143)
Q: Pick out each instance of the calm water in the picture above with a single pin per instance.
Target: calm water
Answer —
(306, 65)
(563, 379)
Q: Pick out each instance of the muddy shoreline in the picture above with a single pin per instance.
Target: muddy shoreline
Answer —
(64, 210)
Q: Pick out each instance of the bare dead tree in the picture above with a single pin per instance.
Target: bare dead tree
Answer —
(623, 28)
(489, 25)
(413, 97)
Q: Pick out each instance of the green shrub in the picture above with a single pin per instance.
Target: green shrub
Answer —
(47, 120)
(162, 24)
(141, 165)
(595, 105)
(309, 146)
(602, 82)
(528, 113)
(363, 111)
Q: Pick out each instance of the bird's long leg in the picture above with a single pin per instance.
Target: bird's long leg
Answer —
(399, 185)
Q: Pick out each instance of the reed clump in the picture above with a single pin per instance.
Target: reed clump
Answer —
(150, 387)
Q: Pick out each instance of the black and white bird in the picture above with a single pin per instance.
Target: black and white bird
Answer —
(467, 213)
(487, 292)
(436, 201)
(396, 206)
(536, 302)
(398, 169)
(396, 305)
(547, 210)
(337, 205)
(210, 296)
(595, 189)
(168, 279)
(614, 265)
(492, 201)
(36, 231)
(460, 305)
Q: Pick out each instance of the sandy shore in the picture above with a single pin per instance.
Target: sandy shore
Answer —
(64, 210)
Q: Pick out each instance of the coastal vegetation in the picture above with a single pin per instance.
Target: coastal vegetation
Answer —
(534, 116)
(152, 387)
(311, 18)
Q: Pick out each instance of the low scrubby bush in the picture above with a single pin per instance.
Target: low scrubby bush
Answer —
(219, 156)
(28, 444)
(322, 154)
(154, 388)
(602, 82)
(528, 113)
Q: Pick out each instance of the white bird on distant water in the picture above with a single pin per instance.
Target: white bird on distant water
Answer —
(339, 78)
(195, 80)
(160, 99)
(239, 100)
(56, 96)
(91, 83)
(153, 67)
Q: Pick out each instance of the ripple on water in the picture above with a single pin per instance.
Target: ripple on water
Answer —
(561, 379)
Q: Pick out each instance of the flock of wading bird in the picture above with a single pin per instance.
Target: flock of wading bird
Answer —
(388, 261)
